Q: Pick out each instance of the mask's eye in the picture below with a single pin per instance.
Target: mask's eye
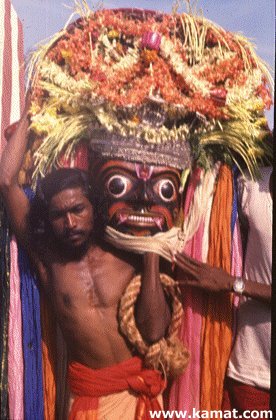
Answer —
(166, 190)
(118, 185)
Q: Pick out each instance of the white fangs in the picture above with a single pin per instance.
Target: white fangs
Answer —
(158, 222)
(122, 218)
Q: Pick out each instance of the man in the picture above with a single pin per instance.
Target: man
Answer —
(83, 279)
(247, 383)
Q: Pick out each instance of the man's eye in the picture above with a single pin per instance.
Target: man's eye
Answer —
(79, 209)
(166, 190)
(55, 215)
(118, 185)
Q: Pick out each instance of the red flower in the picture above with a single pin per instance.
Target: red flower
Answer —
(264, 94)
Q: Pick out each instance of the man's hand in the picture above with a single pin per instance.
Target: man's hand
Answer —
(11, 129)
(203, 276)
(28, 101)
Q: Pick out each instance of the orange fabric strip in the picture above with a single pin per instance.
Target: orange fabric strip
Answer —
(48, 356)
(90, 384)
(216, 327)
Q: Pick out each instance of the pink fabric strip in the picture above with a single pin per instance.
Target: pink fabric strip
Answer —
(15, 353)
(185, 391)
(236, 269)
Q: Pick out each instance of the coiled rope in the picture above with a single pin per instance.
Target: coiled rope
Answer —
(168, 354)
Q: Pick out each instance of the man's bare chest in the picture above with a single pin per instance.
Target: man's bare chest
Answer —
(92, 282)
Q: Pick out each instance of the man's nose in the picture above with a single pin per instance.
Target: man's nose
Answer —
(70, 220)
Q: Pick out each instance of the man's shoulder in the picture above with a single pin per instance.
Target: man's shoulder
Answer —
(247, 184)
(264, 173)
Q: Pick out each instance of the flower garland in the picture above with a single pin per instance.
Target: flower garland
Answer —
(107, 66)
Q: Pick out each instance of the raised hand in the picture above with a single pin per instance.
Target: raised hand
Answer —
(203, 275)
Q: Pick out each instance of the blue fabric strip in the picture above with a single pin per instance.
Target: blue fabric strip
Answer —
(32, 349)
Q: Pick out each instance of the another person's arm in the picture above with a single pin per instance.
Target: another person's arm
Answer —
(152, 312)
(214, 279)
(14, 197)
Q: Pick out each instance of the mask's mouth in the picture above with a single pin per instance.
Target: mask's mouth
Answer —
(140, 219)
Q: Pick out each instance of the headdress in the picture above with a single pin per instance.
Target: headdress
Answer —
(152, 86)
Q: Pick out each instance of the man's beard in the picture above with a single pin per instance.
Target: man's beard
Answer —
(72, 251)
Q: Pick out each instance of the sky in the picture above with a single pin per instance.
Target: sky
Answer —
(252, 18)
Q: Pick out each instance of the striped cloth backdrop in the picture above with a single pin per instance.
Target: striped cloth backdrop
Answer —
(11, 103)
(11, 67)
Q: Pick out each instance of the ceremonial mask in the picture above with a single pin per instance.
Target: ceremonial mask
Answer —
(142, 199)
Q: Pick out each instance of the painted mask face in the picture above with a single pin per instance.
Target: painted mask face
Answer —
(142, 199)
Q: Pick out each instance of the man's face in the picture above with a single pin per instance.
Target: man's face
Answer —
(142, 199)
(71, 218)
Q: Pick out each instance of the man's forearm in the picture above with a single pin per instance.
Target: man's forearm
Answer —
(213, 279)
(152, 311)
(258, 291)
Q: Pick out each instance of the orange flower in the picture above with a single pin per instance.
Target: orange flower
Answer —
(135, 119)
(148, 56)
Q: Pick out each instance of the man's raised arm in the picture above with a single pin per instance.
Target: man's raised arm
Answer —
(152, 310)
(15, 200)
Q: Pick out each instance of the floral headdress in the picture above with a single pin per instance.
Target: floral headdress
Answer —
(162, 80)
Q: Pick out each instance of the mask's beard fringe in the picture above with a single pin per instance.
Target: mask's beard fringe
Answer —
(166, 244)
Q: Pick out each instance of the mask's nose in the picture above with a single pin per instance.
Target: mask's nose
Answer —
(144, 198)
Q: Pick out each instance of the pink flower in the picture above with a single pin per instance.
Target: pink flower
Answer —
(218, 95)
(151, 40)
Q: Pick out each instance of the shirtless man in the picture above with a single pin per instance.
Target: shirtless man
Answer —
(83, 279)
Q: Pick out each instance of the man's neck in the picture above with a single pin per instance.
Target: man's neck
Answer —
(68, 253)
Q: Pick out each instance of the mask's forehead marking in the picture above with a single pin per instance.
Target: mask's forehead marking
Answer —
(143, 171)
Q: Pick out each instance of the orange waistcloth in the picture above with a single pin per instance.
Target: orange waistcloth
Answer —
(88, 385)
